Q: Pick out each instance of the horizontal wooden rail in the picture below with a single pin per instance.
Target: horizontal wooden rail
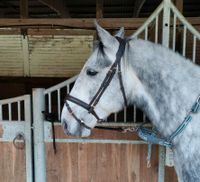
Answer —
(86, 23)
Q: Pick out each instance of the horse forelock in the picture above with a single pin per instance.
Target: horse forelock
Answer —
(98, 58)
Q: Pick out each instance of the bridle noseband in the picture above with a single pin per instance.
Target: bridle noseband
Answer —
(109, 76)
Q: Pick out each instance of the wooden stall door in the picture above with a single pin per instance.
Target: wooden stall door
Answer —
(15, 140)
(12, 163)
(84, 162)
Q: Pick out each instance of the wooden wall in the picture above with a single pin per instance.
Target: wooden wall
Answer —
(81, 162)
(12, 163)
(43, 55)
(57, 53)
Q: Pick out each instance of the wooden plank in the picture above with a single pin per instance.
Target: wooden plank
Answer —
(170, 175)
(99, 8)
(58, 56)
(112, 23)
(107, 162)
(86, 23)
(100, 163)
(63, 166)
(12, 163)
(60, 32)
(59, 6)
(8, 31)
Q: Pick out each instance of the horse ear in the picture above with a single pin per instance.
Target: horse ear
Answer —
(106, 38)
(120, 33)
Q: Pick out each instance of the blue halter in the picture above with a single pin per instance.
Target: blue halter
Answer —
(151, 136)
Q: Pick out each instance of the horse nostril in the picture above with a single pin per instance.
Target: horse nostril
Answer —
(65, 125)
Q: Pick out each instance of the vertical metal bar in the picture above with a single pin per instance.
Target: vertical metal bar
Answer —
(161, 167)
(184, 40)
(68, 89)
(174, 33)
(135, 114)
(19, 111)
(194, 49)
(29, 159)
(125, 114)
(39, 145)
(115, 117)
(9, 112)
(156, 30)
(146, 33)
(58, 98)
(166, 23)
(1, 113)
(49, 102)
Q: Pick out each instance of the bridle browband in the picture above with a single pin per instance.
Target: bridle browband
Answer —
(109, 76)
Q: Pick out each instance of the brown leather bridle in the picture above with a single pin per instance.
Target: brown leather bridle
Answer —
(109, 76)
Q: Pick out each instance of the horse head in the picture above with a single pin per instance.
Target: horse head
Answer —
(77, 117)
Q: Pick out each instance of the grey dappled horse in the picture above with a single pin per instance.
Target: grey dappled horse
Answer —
(157, 80)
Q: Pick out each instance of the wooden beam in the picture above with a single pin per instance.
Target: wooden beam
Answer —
(99, 8)
(60, 32)
(87, 23)
(138, 7)
(59, 6)
(23, 8)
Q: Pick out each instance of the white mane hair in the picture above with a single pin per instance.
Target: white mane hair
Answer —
(162, 83)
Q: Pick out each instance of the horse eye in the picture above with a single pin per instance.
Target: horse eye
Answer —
(91, 72)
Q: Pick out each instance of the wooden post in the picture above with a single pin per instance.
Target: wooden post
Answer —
(99, 8)
(23, 8)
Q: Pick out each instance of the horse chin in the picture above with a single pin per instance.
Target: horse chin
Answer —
(85, 133)
(79, 132)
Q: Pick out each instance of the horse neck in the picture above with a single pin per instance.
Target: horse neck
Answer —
(164, 84)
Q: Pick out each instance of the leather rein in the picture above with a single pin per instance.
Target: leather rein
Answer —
(115, 67)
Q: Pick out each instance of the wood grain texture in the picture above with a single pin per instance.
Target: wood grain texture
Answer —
(12, 163)
(81, 162)
(87, 23)
(170, 175)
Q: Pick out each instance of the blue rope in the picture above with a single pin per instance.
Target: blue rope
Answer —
(196, 107)
(186, 121)
(149, 136)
